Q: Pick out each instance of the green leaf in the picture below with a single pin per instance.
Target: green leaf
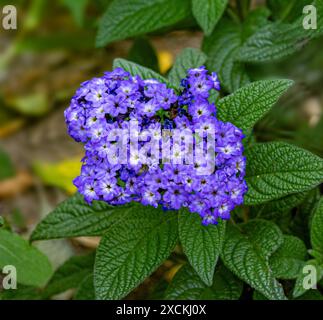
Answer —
(277, 169)
(187, 285)
(317, 227)
(288, 260)
(128, 18)
(208, 12)
(132, 249)
(301, 222)
(188, 58)
(299, 287)
(135, 69)
(287, 9)
(70, 275)
(311, 294)
(222, 48)
(22, 293)
(201, 244)
(85, 289)
(250, 103)
(280, 205)
(33, 267)
(143, 53)
(278, 40)
(246, 251)
(7, 169)
(75, 218)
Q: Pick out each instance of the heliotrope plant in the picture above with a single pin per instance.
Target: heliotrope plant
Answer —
(130, 204)
(146, 213)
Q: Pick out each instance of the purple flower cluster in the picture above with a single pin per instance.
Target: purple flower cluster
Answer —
(103, 106)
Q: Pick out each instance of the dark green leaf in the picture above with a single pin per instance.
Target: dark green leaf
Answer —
(188, 58)
(246, 251)
(33, 267)
(222, 48)
(70, 275)
(208, 13)
(317, 227)
(278, 40)
(74, 218)
(201, 244)
(300, 224)
(277, 169)
(132, 249)
(304, 275)
(250, 103)
(85, 290)
(187, 285)
(21, 293)
(128, 18)
(135, 69)
(143, 53)
(288, 260)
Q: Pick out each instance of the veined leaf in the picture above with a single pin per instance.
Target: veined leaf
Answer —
(135, 69)
(32, 266)
(278, 40)
(132, 249)
(208, 12)
(317, 227)
(128, 18)
(250, 103)
(75, 218)
(85, 290)
(188, 58)
(187, 285)
(277, 169)
(246, 252)
(70, 275)
(222, 48)
(201, 244)
(304, 277)
(288, 260)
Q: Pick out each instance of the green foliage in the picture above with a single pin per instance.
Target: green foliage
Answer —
(143, 53)
(249, 104)
(201, 244)
(208, 12)
(246, 251)
(288, 260)
(277, 40)
(277, 169)
(74, 218)
(272, 237)
(317, 228)
(222, 47)
(128, 18)
(136, 69)
(188, 58)
(33, 267)
(70, 275)
(132, 249)
(187, 285)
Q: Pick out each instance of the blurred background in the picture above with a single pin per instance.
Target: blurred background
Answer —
(53, 51)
